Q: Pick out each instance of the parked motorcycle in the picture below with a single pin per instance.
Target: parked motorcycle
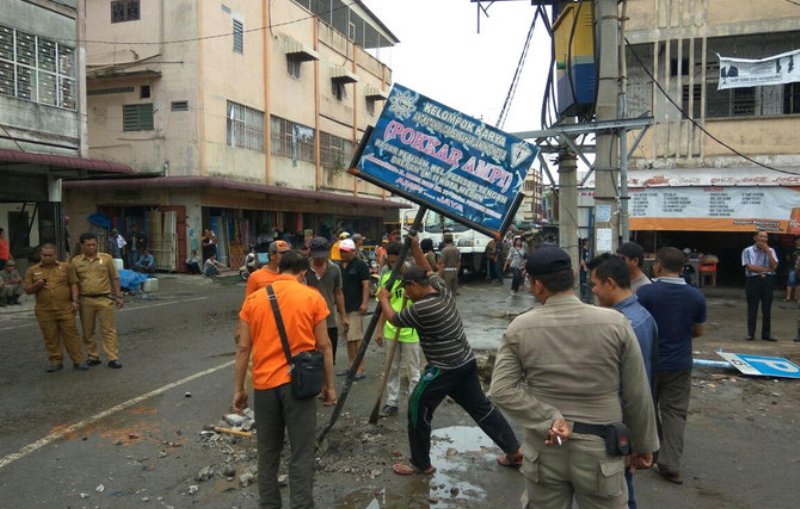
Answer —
(256, 257)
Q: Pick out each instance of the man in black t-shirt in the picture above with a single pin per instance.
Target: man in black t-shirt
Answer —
(355, 286)
(451, 370)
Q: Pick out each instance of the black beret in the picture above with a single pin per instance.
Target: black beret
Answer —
(548, 260)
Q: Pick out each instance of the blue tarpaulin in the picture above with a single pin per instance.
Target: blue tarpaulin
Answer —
(131, 281)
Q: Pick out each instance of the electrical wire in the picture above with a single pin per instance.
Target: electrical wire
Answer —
(206, 37)
(501, 119)
(695, 122)
(794, 2)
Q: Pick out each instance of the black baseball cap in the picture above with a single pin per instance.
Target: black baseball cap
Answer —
(548, 260)
(415, 274)
(319, 247)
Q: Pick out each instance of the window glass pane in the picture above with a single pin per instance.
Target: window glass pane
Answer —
(24, 82)
(6, 78)
(26, 49)
(6, 43)
(68, 93)
(47, 89)
(47, 55)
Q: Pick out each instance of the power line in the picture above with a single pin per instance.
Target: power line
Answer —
(695, 122)
(206, 37)
(501, 119)
(794, 2)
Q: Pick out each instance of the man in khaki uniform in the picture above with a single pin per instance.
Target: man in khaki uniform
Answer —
(97, 280)
(56, 305)
(559, 373)
(450, 264)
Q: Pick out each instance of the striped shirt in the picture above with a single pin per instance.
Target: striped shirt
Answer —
(757, 257)
(441, 332)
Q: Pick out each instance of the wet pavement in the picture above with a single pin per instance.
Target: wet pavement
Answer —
(131, 437)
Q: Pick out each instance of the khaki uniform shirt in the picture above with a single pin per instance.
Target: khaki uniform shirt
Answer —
(95, 277)
(569, 360)
(56, 294)
(451, 256)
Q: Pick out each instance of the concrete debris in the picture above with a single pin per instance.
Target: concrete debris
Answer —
(84, 495)
(246, 479)
(100, 488)
(205, 474)
(235, 420)
(454, 491)
(193, 489)
(229, 471)
(145, 499)
(374, 474)
(162, 454)
(187, 394)
(283, 480)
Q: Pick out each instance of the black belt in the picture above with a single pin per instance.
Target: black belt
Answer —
(763, 274)
(95, 295)
(590, 429)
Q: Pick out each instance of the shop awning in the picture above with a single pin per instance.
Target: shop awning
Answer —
(22, 161)
(235, 185)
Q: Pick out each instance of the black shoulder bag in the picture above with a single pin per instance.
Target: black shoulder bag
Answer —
(305, 368)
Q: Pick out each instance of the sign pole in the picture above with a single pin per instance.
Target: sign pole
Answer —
(368, 332)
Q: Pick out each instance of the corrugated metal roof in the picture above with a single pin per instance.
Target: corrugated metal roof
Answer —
(56, 161)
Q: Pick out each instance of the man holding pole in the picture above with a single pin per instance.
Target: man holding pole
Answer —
(451, 370)
(404, 342)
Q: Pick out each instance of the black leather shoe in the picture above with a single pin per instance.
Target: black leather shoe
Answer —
(55, 367)
(749, 338)
(114, 364)
(81, 367)
(769, 339)
(93, 362)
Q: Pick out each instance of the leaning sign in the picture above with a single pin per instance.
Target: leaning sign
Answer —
(760, 365)
(444, 160)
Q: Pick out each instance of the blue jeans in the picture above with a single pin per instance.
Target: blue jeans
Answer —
(629, 481)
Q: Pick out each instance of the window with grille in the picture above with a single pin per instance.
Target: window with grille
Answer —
(334, 152)
(124, 10)
(791, 98)
(180, 105)
(245, 127)
(137, 117)
(292, 140)
(37, 69)
(238, 36)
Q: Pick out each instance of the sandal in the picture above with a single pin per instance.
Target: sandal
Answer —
(403, 469)
(513, 461)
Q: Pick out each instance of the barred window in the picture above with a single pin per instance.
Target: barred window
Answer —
(292, 140)
(334, 152)
(137, 117)
(238, 36)
(124, 10)
(245, 127)
(37, 69)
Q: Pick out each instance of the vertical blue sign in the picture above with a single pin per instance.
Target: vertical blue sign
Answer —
(447, 161)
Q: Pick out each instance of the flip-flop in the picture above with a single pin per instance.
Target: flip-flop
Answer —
(504, 461)
(403, 469)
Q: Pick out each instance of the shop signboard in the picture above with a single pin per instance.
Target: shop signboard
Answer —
(446, 161)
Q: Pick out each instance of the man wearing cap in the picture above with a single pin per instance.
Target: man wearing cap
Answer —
(96, 282)
(56, 304)
(451, 370)
(355, 286)
(559, 373)
(269, 272)
(326, 277)
(633, 254)
(451, 264)
(12, 283)
(335, 256)
(358, 240)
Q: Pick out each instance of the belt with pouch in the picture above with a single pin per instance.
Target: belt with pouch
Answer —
(617, 436)
(95, 295)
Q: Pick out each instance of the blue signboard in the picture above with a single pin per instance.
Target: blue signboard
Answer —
(760, 365)
(447, 161)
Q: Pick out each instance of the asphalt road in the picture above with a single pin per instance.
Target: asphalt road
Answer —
(135, 432)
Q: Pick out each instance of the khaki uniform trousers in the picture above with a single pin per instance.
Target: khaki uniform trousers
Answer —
(102, 309)
(59, 326)
(580, 469)
(451, 278)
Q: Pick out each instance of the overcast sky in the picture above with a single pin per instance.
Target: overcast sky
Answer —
(442, 56)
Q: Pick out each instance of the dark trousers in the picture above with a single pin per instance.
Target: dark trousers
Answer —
(629, 481)
(193, 268)
(463, 386)
(516, 278)
(674, 390)
(276, 411)
(333, 333)
(759, 290)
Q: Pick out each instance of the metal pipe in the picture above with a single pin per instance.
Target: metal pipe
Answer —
(705, 363)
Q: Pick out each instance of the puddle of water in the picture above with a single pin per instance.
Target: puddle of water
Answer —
(460, 454)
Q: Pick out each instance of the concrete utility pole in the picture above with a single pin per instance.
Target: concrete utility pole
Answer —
(605, 164)
(568, 205)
